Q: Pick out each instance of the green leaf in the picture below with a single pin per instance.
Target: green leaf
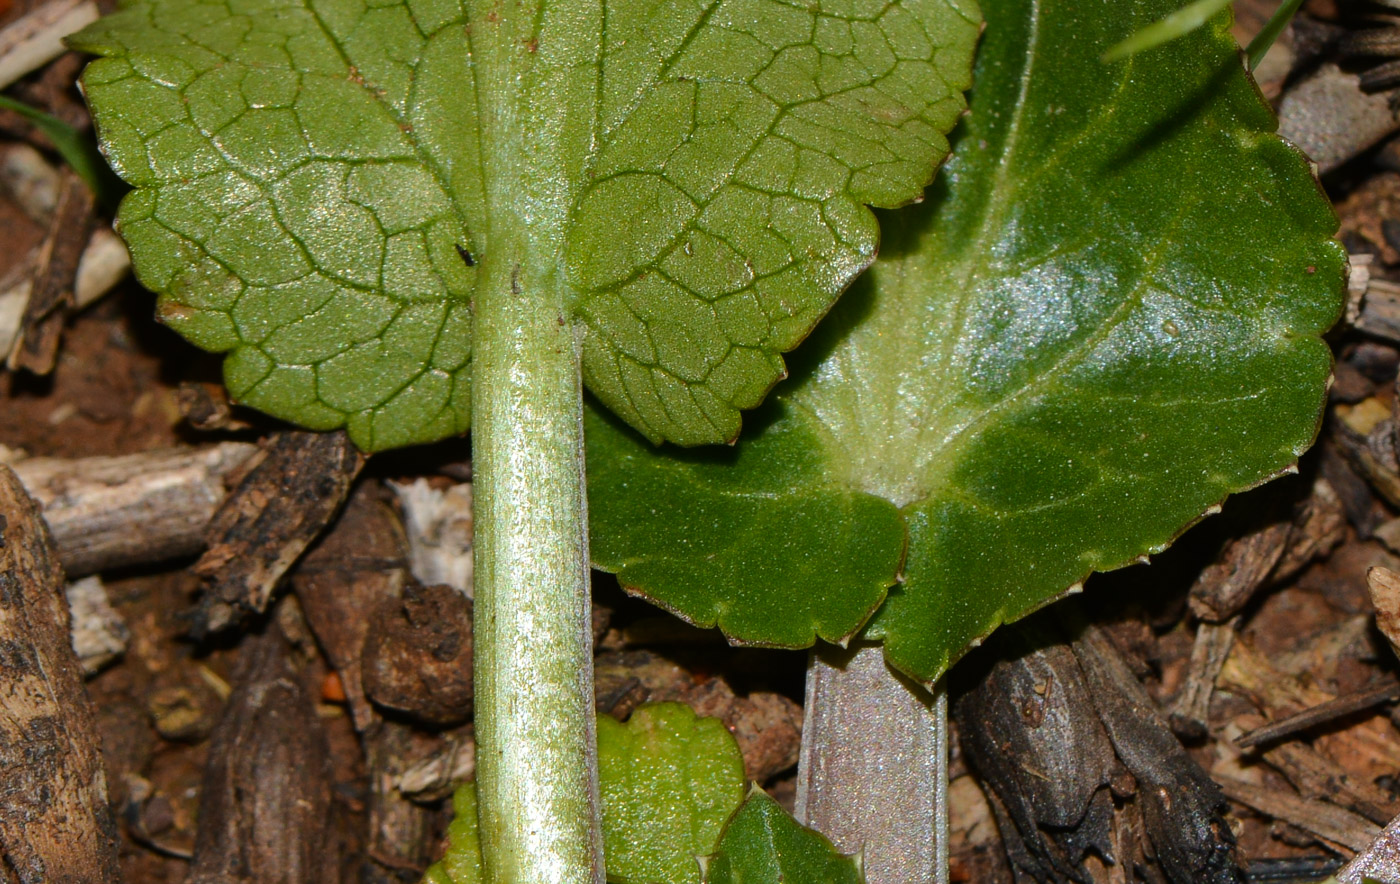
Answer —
(1105, 318)
(461, 863)
(1174, 26)
(763, 845)
(669, 780)
(306, 172)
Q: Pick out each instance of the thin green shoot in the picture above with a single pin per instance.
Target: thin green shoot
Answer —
(76, 149)
(1259, 46)
(1178, 24)
(1194, 15)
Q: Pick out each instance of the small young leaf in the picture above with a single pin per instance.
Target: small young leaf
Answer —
(1105, 318)
(306, 172)
(461, 864)
(669, 780)
(763, 845)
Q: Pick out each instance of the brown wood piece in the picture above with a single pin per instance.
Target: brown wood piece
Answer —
(1277, 694)
(418, 655)
(1191, 715)
(51, 296)
(1315, 775)
(360, 563)
(1323, 713)
(1319, 526)
(401, 833)
(55, 825)
(1369, 447)
(132, 509)
(1384, 586)
(265, 802)
(1183, 809)
(1030, 729)
(434, 777)
(265, 525)
(1226, 585)
(1339, 828)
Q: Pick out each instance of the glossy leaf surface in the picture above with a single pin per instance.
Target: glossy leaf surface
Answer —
(763, 845)
(669, 781)
(1105, 318)
(311, 183)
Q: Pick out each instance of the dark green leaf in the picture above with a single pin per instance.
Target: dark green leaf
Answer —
(1105, 318)
(763, 845)
(306, 170)
(1176, 24)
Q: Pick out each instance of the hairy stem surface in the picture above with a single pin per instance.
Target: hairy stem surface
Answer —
(537, 752)
(537, 772)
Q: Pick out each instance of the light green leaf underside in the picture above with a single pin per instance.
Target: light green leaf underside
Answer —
(763, 845)
(305, 171)
(669, 781)
(1105, 318)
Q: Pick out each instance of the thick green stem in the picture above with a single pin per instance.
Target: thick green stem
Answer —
(536, 749)
(536, 767)
(537, 773)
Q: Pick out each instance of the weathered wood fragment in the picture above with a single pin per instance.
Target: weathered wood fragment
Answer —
(51, 294)
(131, 509)
(1321, 714)
(1029, 728)
(401, 833)
(55, 825)
(352, 569)
(1084, 771)
(418, 655)
(283, 503)
(1190, 717)
(1334, 826)
(265, 802)
(1183, 810)
(36, 38)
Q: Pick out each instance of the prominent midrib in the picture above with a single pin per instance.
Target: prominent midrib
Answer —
(891, 459)
(904, 453)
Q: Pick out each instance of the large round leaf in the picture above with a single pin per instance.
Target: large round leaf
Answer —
(1105, 318)
(313, 183)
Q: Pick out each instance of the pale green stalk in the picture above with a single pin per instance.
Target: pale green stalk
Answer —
(536, 755)
(534, 712)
